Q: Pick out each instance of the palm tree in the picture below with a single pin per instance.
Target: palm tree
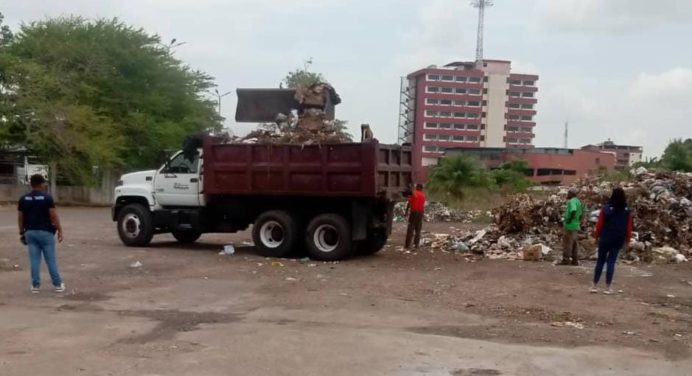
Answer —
(452, 175)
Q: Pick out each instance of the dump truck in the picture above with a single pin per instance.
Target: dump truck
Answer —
(331, 200)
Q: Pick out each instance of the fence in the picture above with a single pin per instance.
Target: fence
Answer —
(67, 195)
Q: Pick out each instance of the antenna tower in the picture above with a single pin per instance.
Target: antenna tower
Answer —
(481, 5)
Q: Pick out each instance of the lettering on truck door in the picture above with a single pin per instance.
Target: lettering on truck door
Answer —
(177, 182)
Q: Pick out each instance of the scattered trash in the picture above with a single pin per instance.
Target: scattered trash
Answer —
(136, 265)
(277, 264)
(228, 249)
(570, 324)
(670, 296)
(7, 265)
(291, 279)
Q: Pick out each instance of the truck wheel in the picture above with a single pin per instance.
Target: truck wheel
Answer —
(274, 233)
(373, 244)
(328, 238)
(186, 237)
(135, 226)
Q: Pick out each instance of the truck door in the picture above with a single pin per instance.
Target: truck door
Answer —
(178, 182)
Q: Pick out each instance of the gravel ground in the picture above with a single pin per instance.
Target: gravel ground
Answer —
(190, 311)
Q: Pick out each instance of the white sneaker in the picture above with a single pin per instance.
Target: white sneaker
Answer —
(593, 290)
(60, 288)
(608, 291)
(35, 290)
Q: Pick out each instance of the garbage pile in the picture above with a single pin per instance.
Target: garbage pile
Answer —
(661, 204)
(492, 244)
(438, 212)
(308, 124)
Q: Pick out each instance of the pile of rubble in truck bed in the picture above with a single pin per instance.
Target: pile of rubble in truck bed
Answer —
(531, 229)
(309, 124)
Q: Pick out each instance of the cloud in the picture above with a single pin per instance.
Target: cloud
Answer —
(441, 35)
(613, 16)
(648, 109)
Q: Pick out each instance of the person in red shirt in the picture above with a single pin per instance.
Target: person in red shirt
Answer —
(415, 210)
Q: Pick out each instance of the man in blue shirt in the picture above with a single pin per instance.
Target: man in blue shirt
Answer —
(38, 223)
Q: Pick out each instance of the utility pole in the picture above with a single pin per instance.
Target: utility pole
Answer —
(566, 135)
(218, 98)
(481, 5)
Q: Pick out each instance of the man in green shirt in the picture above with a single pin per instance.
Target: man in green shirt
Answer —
(572, 225)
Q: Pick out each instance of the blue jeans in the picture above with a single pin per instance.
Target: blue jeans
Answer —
(607, 255)
(42, 243)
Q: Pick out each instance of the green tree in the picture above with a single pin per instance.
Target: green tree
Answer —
(304, 77)
(678, 155)
(82, 93)
(512, 175)
(453, 175)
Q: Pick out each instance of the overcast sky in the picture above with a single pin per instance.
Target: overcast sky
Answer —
(619, 69)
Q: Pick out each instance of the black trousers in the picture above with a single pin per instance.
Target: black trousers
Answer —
(415, 224)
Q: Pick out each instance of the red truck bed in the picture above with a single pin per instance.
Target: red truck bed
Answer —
(334, 170)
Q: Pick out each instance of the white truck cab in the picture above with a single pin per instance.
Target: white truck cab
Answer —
(144, 200)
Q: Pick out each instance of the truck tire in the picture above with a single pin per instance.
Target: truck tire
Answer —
(328, 238)
(135, 226)
(274, 233)
(186, 237)
(373, 244)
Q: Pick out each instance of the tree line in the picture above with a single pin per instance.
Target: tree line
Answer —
(81, 93)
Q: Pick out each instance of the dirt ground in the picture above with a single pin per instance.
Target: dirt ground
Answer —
(191, 311)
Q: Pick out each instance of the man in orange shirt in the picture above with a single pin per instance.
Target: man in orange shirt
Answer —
(415, 209)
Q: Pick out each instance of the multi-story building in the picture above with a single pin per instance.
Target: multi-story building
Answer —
(466, 104)
(550, 166)
(627, 155)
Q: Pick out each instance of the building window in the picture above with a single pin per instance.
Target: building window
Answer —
(432, 149)
(429, 113)
(475, 91)
(446, 102)
(475, 79)
(433, 77)
(460, 115)
(513, 117)
(447, 90)
(459, 126)
(525, 140)
(429, 161)
(459, 103)
(433, 89)
(529, 83)
(432, 101)
(570, 172)
(472, 116)
(472, 138)
(527, 94)
(431, 125)
(512, 140)
(514, 94)
(515, 82)
(527, 106)
(513, 129)
(461, 91)
(513, 105)
(458, 138)
(443, 137)
(445, 126)
(430, 137)
(474, 103)
(461, 79)
(485, 103)
(526, 129)
(448, 78)
(445, 114)
(472, 126)
(526, 118)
